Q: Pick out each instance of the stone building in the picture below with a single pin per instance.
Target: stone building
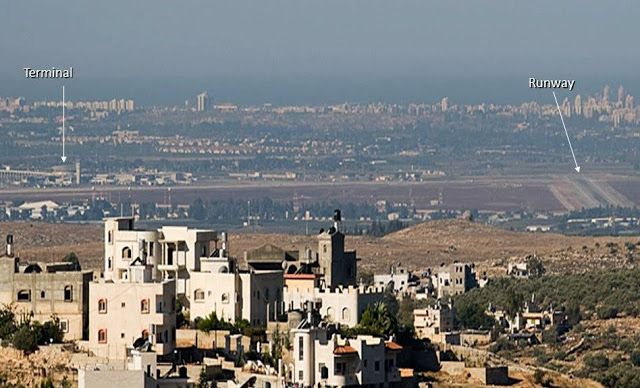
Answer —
(455, 279)
(434, 321)
(127, 313)
(206, 278)
(322, 357)
(44, 290)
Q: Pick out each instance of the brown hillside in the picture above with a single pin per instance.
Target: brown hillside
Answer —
(421, 246)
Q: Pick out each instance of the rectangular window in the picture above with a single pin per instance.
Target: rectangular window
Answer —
(339, 369)
(376, 366)
(300, 348)
(300, 375)
(64, 326)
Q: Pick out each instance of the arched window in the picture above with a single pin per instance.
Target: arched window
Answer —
(346, 314)
(198, 295)
(329, 313)
(24, 296)
(126, 253)
(102, 336)
(225, 297)
(68, 293)
(144, 306)
(102, 306)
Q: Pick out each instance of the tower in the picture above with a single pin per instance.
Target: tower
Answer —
(337, 266)
(202, 102)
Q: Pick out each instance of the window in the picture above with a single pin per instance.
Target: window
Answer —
(102, 306)
(110, 237)
(24, 296)
(43, 294)
(123, 305)
(151, 246)
(64, 326)
(109, 265)
(324, 371)
(144, 306)
(346, 314)
(225, 298)
(68, 293)
(376, 366)
(300, 375)
(300, 348)
(339, 369)
(121, 335)
(198, 295)
(102, 336)
(126, 253)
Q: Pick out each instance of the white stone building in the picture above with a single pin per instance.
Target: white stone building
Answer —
(207, 279)
(343, 305)
(323, 358)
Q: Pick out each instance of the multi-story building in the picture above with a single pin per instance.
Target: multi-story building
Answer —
(455, 279)
(46, 290)
(207, 279)
(323, 358)
(233, 294)
(133, 310)
(335, 266)
(434, 321)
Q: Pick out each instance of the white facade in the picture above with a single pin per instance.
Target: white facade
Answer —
(325, 359)
(343, 305)
(207, 280)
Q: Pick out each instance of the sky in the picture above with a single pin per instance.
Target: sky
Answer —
(281, 44)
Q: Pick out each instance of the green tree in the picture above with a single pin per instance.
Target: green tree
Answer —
(203, 379)
(25, 339)
(7, 322)
(378, 320)
(472, 316)
(71, 257)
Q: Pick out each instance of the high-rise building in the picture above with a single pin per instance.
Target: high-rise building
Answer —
(629, 102)
(202, 102)
(605, 94)
(444, 104)
(577, 105)
(621, 94)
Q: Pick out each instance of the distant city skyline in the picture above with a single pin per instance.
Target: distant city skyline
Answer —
(366, 40)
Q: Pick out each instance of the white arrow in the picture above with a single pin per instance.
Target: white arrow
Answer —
(63, 157)
(577, 168)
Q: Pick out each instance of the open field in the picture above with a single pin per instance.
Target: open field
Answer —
(425, 245)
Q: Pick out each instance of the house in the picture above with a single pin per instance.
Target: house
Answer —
(44, 290)
(207, 279)
(126, 312)
(434, 322)
(325, 358)
(455, 279)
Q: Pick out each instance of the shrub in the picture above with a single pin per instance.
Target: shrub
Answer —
(25, 339)
(607, 312)
(635, 357)
(596, 360)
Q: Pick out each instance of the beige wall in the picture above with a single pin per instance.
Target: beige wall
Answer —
(124, 320)
(47, 295)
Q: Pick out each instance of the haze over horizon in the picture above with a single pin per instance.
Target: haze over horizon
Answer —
(300, 51)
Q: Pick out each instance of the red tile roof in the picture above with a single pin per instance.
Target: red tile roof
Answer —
(392, 345)
(344, 349)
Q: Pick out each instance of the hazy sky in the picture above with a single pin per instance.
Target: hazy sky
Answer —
(321, 38)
